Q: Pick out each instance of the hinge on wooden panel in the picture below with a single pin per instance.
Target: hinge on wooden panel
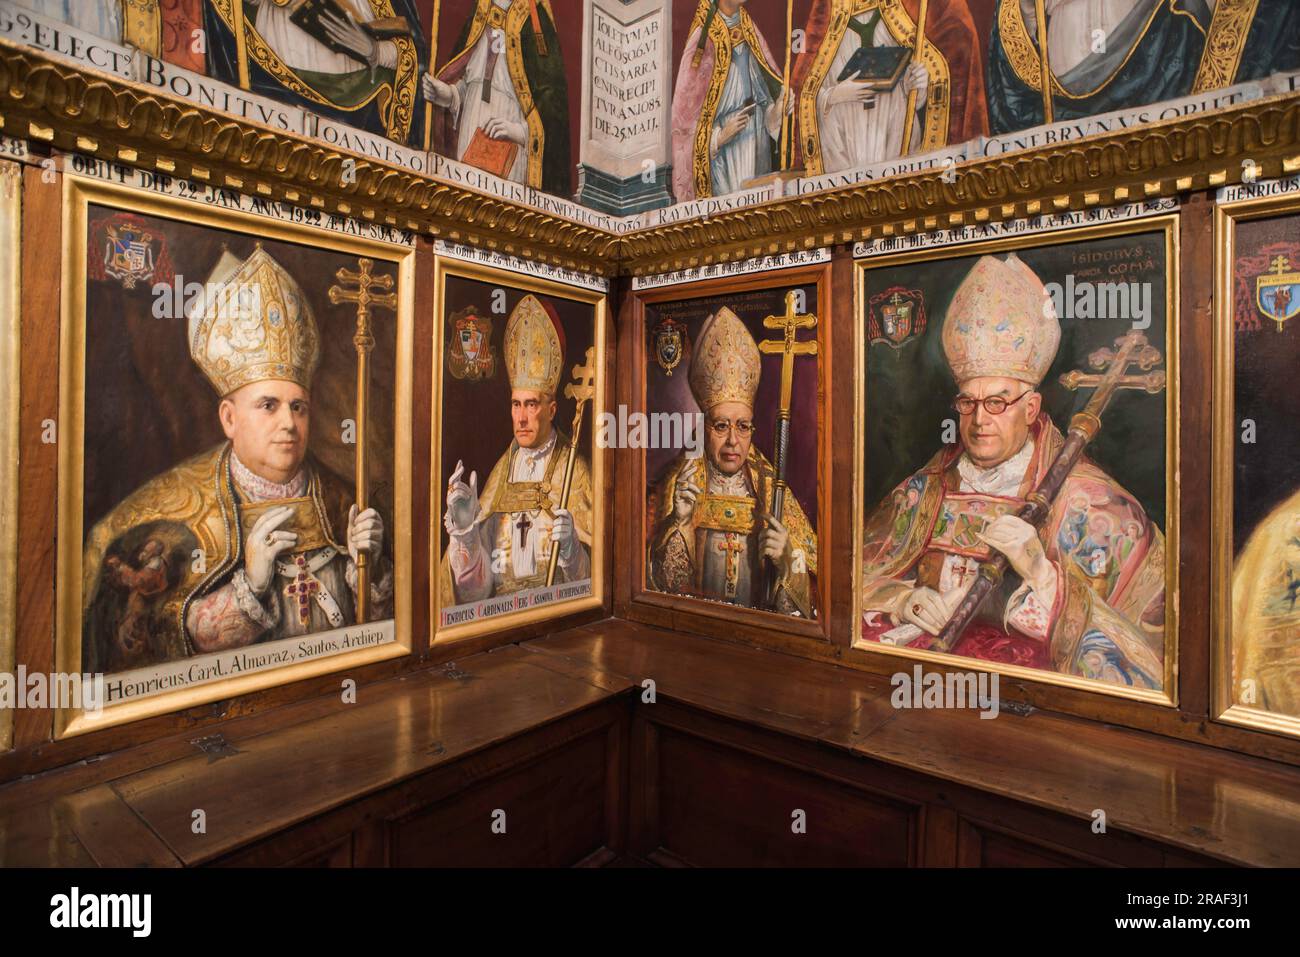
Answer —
(1021, 708)
(454, 673)
(215, 746)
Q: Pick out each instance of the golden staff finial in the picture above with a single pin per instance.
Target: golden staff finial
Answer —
(581, 389)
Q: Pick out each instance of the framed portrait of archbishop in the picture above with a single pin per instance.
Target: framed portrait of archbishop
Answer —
(234, 460)
(1256, 527)
(518, 493)
(729, 436)
(1017, 455)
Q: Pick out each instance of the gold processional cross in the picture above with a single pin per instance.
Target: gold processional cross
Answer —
(787, 347)
(355, 286)
(581, 390)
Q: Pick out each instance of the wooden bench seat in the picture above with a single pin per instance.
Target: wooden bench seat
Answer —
(564, 736)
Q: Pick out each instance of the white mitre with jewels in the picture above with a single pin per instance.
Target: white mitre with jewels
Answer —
(534, 352)
(1001, 322)
(725, 363)
(252, 323)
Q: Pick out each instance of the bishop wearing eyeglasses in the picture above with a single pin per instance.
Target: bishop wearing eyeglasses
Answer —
(712, 523)
(1087, 596)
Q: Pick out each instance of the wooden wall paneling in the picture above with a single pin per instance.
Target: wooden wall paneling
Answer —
(721, 805)
(38, 459)
(840, 450)
(643, 787)
(552, 806)
(11, 205)
(422, 421)
(939, 841)
(1164, 792)
(1209, 804)
(552, 782)
(289, 775)
(1195, 429)
(615, 333)
(709, 771)
(629, 383)
(805, 700)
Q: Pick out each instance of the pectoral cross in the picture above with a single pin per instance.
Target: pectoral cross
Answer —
(961, 571)
(364, 341)
(731, 547)
(303, 588)
(524, 524)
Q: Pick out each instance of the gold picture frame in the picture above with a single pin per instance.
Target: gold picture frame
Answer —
(11, 188)
(446, 267)
(1165, 224)
(708, 614)
(1224, 706)
(79, 193)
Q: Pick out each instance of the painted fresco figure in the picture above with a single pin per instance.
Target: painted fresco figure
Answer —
(506, 83)
(712, 523)
(727, 106)
(363, 70)
(1236, 51)
(1074, 605)
(1104, 55)
(100, 18)
(501, 540)
(845, 124)
(252, 540)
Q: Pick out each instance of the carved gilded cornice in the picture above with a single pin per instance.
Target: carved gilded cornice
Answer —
(46, 99)
(43, 98)
(1200, 151)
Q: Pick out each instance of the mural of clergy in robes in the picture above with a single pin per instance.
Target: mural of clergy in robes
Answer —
(713, 533)
(502, 101)
(1236, 51)
(1087, 596)
(1103, 55)
(161, 28)
(847, 123)
(362, 69)
(103, 18)
(726, 104)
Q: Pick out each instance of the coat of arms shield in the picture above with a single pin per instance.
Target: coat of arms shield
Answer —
(897, 315)
(1277, 292)
(470, 355)
(670, 344)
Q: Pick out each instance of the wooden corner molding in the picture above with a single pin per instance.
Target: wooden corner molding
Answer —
(46, 99)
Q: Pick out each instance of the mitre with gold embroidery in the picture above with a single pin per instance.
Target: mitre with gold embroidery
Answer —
(1001, 322)
(533, 348)
(725, 364)
(252, 323)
